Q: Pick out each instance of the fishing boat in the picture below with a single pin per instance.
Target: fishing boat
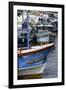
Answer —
(42, 34)
(33, 60)
(44, 29)
(32, 50)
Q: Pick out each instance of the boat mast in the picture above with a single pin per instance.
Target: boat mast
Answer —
(26, 28)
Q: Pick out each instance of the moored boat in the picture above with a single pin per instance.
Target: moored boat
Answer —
(32, 61)
(33, 47)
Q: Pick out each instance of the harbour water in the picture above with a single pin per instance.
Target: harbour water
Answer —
(51, 68)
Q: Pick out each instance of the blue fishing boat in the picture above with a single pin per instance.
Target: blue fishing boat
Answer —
(32, 52)
(33, 60)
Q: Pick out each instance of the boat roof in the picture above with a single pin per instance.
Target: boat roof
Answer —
(41, 25)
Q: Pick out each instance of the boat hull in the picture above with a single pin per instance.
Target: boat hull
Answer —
(32, 70)
(32, 61)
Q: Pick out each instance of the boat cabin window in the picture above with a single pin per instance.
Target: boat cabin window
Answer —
(22, 40)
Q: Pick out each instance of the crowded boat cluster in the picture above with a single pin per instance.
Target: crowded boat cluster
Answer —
(36, 32)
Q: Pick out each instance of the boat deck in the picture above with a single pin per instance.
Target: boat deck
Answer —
(34, 49)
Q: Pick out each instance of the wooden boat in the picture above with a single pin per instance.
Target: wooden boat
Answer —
(33, 60)
(33, 49)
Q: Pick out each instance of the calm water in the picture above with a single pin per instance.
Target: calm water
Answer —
(51, 68)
